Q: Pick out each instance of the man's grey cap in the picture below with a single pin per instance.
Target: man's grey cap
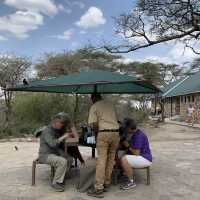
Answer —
(63, 117)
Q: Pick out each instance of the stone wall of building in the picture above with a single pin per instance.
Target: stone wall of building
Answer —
(193, 99)
(185, 101)
(170, 106)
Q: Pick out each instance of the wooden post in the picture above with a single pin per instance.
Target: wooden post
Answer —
(66, 148)
(155, 105)
(93, 152)
(171, 107)
(33, 172)
(162, 110)
(95, 88)
(76, 108)
(148, 175)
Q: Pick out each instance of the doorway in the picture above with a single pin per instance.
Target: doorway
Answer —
(177, 106)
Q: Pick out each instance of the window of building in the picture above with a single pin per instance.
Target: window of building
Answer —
(188, 98)
(185, 99)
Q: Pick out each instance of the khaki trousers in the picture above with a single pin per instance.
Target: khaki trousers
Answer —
(107, 144)
(61, 165)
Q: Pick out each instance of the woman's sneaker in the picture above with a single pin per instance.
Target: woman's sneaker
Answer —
(129, 185)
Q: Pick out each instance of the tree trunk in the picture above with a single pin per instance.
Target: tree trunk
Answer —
(7, 99)
(162, 110)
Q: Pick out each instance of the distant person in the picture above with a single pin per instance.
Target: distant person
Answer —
(51, 151)
(103, 119)
(190, 114)
(138, 153)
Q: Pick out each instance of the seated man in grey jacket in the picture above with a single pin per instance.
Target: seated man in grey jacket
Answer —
(50, 151)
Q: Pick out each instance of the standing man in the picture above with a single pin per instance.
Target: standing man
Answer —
(51, 152)
(103, 119)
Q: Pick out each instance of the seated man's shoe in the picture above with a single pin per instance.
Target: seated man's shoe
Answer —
(58, 187)
(95, 193)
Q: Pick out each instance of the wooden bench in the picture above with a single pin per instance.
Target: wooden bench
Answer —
(34, 165)
(147, 174)
(116, 173)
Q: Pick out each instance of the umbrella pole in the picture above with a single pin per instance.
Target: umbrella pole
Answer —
(75, 108)
(95, 88)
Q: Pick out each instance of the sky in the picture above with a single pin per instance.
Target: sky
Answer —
(34, 27)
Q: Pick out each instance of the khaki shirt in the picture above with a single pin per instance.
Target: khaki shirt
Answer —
(103, 113)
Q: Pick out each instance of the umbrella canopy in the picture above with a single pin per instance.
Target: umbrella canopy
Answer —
(90, 81)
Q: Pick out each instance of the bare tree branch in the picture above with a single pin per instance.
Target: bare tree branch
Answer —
(194, 51)
(155, 22)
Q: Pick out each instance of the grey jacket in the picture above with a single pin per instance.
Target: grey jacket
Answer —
(49, 144)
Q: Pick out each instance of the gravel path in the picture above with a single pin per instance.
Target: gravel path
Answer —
(175, 174)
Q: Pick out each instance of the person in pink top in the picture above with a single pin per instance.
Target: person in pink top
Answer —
(190, 114)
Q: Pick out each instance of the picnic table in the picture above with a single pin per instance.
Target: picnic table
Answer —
(77, 142)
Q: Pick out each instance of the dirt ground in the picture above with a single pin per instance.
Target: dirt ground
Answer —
(175, 173)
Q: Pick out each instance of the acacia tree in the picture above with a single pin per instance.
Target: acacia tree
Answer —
(195, 65)
(64, 63)
(157, 21)
(12, 70)
(55, 64)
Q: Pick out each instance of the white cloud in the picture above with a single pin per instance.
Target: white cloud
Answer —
(61, 7)
(179, 52)
(176, 55)
(92, 18)
(64, 9)
(158, 59)
(154, 59)
(47, 7)
(79, 4)
(71, 3)
(2, 38)
(83, 32)
(20, 23)
(28, 17)
(125, 60)
(65, 36)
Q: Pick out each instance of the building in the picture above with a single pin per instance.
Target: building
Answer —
(178, 95)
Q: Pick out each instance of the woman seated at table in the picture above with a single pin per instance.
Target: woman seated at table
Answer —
(138, 153)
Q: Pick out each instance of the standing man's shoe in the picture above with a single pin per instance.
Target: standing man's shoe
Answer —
(106, 188)
(95, 193)
(58, 187)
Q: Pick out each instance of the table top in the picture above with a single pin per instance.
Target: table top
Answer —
(72, 142)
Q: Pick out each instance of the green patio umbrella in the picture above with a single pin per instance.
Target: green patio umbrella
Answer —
(90, 81)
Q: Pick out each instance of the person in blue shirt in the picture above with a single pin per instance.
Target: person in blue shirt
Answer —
(138, 152)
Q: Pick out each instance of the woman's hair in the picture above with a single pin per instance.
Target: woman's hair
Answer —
(130, 123)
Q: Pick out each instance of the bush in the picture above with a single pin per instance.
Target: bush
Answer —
(39, 108)
(33, 110)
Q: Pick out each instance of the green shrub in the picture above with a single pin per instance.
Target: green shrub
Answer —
(33, 110)
(39, 108)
